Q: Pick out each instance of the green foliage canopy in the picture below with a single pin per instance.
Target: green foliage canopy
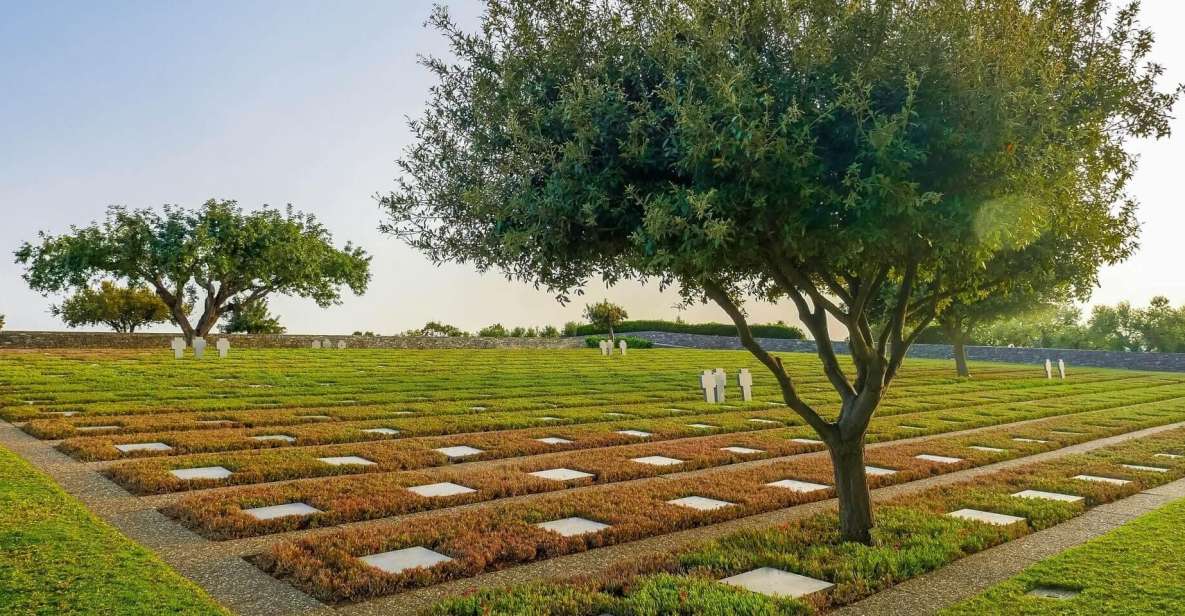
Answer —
(123, 309)
(234, 257)
(252, 318)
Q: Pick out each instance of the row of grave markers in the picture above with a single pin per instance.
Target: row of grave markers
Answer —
(713, 383)
(1061, 369)
(607, 347)
(328, 344)
(199, 347)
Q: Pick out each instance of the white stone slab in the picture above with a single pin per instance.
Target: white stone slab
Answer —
(797, 486)
(1053, 496)
(987, 517)
(744, 451)
(274, 437)
(397, 561)
(443, 488)
(143, 447)
(637, 433)
(1170, 456)
(1051, 592)
(387, 431)
(458, 451)
(549, 418)
(911, 427)
(679, 410)
(988, 449)
(702, 426)
(204, 472)
(60, 413)
(616, 415)
(876, 470)
(1149, 469)
(553, 440)
(571, 527)
(96, 428)
(346, 460)
(806, 441)
(657, 460)
(777, 583)
(940, 459)
(1096, 478)
(560, 474)
(279, 511)
(1066, 432)
(1021, 439)
(765, 421)
(214, 422)
(477, 408)
(700, 503)
(314, 417)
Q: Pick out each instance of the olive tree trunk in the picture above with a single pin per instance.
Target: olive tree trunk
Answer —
(851, 489)
(959, 348)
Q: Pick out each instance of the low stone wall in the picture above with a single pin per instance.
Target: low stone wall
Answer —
(110, 340)
(1166, 362)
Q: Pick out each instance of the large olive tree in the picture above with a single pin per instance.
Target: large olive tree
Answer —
(822, 151)
(232, 257)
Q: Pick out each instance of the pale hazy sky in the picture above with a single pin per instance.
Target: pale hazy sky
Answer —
(145, 103)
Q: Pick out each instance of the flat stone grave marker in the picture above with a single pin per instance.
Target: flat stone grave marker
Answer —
(764, 421)
(143, 447)
(1053, 496)
(744, 451)
(702, 426)
(274, 437)
(987, 517)
(549, 419)
(387, 431)
(940, 459)
(637, 433)
(911, 427)
(1021, 439)
(679, 410)
(1149, 469)
(444, 488)
(204, 472)
(798, 486)
(878, 471)
(477, 408)
(777, 583)
(346, 461)
(1067, 432)
(223, 347)
(700, 503)
(616, 415)
(807, 441)
(561, 474)
(988, 449)
(1053, 592)
(657, 460)
(60, 413)
(272, 512)
(314, 417)
(745, 382)
(214, 422)
(397, 561)
(571, 527)
(178, 346)
(721, 383)
(1110, 480)
(96, 428)
(1170, 456)
(553, 440)
(459, 451)
(707, 382)
(199, 347)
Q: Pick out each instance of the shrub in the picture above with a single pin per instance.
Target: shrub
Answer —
(773, 330)
(634, 343)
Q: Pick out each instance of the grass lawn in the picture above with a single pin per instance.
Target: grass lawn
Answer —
(1138, 568)
(58, 558)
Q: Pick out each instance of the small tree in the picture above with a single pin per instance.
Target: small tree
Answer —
(819, 152)
(123, 309)
(492, 331)
(436, 329)
(252, 318)
(606, 315)
(232, 257)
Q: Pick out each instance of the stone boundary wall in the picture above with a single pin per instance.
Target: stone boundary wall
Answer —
(1164, 362)
(111, 340)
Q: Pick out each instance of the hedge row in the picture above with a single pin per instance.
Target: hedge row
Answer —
(786, 332)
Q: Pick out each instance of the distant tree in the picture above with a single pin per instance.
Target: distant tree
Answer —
(549, 331)
(123, 309)
(436, 329)
(1162, 327)
(1, 321)
(233, 257)
(570, 328)
(493, 331)
(810, 151)
(252, 318)
(1114, 328)
(605, 314)
(1058, 327)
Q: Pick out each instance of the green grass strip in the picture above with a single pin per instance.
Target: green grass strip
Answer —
(58, 558)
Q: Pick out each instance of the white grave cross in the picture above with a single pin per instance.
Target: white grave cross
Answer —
(707, 382)
(178, 347)
(745, 382)
(1061, 368)
(623, 346)
(199, 347)
(721, 382)
(1048, 369)
(223, 347)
